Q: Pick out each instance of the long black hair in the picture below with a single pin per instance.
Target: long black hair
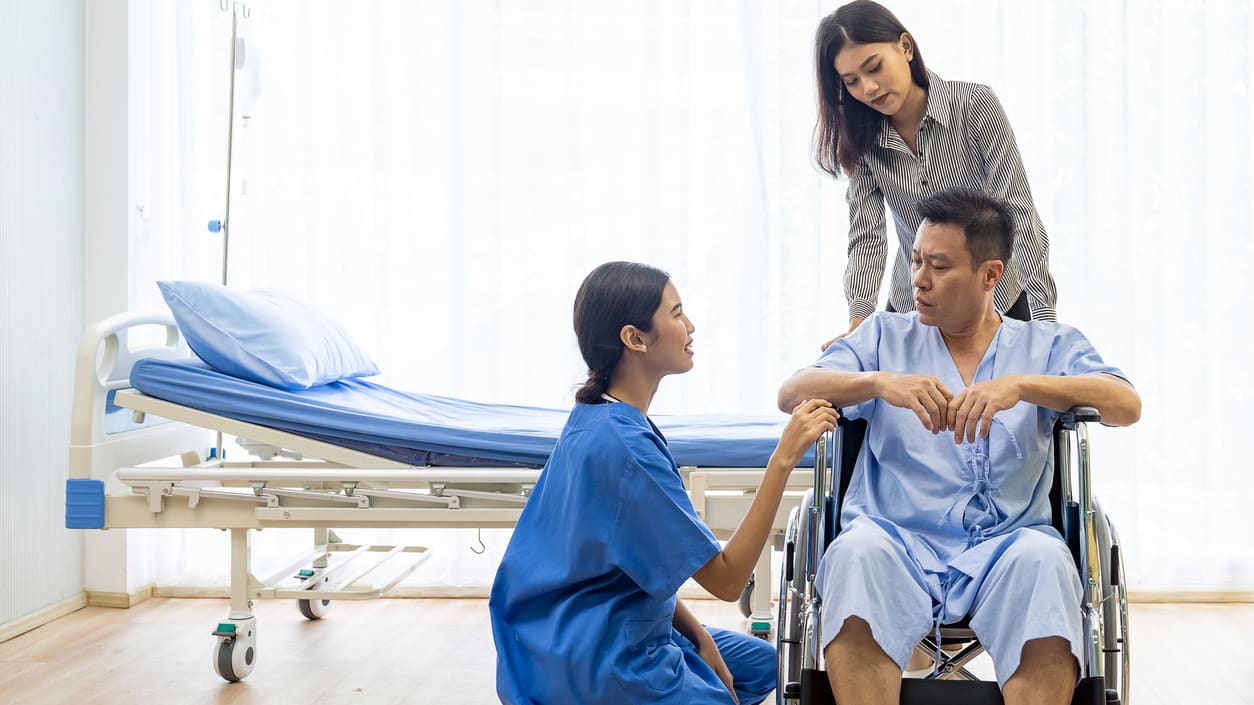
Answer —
(846, 126)
(613, 295)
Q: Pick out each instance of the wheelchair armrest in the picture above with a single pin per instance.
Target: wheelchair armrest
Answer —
(1085, 414)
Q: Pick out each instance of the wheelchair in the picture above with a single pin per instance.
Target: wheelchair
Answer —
(1077, 515)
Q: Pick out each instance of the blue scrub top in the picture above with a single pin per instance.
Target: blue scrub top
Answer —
(943, 499)
(583, 600)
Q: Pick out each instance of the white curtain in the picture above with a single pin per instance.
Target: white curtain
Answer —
(440, 175)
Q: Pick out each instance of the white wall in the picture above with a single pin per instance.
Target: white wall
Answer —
(41, 295)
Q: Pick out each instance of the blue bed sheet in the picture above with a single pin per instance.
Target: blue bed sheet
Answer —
(424, 429)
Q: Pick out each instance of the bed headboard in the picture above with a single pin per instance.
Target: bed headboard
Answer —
(102, 435)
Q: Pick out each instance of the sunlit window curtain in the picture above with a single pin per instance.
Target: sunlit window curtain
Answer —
(439, 176)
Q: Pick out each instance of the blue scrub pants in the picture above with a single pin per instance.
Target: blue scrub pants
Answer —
(751, 661)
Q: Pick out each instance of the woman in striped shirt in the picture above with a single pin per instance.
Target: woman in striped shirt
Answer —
(901, 133)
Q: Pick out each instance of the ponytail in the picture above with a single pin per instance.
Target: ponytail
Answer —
(593, 390)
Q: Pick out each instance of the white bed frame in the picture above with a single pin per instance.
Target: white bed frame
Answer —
(297, 482)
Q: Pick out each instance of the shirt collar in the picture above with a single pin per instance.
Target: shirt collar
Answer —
(939, 99)
(939, 109)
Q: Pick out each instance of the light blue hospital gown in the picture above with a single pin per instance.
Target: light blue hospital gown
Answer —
(583, 600)
(934, 531)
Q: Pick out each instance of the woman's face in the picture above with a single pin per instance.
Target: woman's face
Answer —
(878, 74)
(670, 341)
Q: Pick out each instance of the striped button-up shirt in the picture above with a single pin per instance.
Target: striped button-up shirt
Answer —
(964, 140)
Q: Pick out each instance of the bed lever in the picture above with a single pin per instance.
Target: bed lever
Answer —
(155, 492)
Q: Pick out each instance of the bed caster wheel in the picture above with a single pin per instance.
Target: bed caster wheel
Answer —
(314, 609)
(761, 629)
(746, 598)
(235, 650)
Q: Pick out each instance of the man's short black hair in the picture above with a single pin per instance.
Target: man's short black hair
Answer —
(984, 219)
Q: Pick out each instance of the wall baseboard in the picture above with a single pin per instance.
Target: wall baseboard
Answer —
(37, 619)
(404, 591)
(119, 600)
(687, 592)
(1151, 596)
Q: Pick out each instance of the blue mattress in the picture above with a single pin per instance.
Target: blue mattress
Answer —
(423, 429)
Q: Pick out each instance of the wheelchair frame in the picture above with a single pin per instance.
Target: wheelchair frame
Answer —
(1088, 531)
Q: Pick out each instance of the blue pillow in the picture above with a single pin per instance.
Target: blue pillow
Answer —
(264, 336)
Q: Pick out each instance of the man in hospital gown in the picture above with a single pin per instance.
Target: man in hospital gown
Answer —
(947, 513)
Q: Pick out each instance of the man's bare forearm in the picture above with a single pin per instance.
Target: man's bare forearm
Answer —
(1118, 402)
(840, 388)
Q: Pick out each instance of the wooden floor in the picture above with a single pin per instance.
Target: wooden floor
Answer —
(429, 651)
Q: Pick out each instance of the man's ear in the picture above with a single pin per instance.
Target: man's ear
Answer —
(992, 271)
(632, 338)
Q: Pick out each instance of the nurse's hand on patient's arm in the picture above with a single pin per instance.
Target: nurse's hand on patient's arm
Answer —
(853, 323)
(925, 395)
(725, 575)
(809, 420)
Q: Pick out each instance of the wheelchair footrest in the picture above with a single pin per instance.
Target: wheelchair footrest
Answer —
(815, 690)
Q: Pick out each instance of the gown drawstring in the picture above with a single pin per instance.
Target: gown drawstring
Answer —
(980, 487)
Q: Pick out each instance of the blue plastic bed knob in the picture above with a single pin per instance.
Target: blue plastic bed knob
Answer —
(84, 504)
(215, 226)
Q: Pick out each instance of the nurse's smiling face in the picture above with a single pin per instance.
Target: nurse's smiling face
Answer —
(670, 341)
(948, 291)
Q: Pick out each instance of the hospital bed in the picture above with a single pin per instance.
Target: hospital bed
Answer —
(143, 454)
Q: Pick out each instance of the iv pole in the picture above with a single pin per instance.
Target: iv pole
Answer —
(224, 225)
(236, 9)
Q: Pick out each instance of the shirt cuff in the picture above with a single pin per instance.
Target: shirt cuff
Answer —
(862, 308)
(1044, 313)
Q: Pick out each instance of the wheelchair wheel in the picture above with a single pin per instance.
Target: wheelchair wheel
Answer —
(1114, 608)
(788, 634)
(1116, 645)
(746, 597)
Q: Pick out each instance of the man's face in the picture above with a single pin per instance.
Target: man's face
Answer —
(947, 291)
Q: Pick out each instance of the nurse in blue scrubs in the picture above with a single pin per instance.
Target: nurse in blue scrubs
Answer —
(584, 606)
